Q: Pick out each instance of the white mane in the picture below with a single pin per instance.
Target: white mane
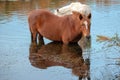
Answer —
(75, 6)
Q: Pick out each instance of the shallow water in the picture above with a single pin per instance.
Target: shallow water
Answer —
(20, 60)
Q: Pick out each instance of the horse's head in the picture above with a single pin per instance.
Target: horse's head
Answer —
(82, 24)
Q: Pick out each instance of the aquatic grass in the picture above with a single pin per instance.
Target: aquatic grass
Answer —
(113, 41)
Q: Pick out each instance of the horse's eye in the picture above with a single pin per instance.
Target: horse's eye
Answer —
(80, 17)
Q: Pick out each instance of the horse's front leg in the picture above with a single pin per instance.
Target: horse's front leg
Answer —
(41, 41)
(34, 37)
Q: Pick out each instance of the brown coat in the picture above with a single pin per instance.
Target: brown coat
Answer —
(67, 28)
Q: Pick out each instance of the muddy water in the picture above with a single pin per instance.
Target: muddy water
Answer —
(21, 60)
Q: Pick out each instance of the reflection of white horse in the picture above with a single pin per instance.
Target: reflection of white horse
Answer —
(75, 6)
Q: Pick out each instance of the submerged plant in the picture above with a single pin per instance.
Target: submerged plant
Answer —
(113, 41)
(102, 38)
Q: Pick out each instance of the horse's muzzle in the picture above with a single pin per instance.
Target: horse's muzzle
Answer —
(88, 37)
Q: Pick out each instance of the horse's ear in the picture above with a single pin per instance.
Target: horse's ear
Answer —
(89, 16)
(77, 14)
(57, 10)
(80, 17)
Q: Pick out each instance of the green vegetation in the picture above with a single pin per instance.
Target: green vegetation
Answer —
(113, 41)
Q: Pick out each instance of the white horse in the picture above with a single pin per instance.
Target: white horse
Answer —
(74, 6)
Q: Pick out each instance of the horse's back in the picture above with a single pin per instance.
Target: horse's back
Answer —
(40, 17)
(40, 13)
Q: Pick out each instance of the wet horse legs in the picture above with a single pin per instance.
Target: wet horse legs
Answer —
(41, 41)
(34, 37)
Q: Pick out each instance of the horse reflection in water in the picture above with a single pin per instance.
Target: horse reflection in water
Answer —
(58, 54)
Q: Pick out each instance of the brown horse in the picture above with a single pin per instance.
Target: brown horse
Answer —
(68, 28)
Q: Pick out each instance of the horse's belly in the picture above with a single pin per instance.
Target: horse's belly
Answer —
(54, 38)
(52, 35)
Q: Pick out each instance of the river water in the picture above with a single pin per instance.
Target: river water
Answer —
(21, 60)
